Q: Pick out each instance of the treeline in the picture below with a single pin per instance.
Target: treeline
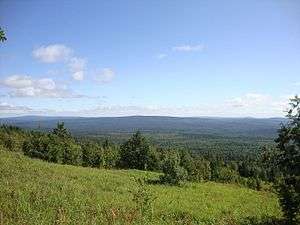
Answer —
(177, 165)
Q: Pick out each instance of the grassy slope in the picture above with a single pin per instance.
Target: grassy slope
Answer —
(36, 192)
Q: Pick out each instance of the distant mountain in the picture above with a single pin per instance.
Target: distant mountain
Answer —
(249, 127)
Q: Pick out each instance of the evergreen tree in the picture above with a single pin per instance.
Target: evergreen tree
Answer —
(2, 35)
(288, 160)
(135, 153)
(61, 131)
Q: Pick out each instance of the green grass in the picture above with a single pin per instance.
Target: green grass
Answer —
(35, 192)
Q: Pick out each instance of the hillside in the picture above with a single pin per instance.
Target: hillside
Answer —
(36, 192)
(236, 127)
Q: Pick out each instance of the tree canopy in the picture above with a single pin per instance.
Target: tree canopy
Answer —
(288, 160)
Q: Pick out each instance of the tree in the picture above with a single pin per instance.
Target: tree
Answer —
(61, 131)
(135, 152)
(58, 146)
(288, 161)
(91, 154)
(2, 35)
(174, 174)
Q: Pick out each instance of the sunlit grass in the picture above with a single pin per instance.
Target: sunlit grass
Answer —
(36, 192)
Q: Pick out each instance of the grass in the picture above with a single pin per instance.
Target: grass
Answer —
(35, 192)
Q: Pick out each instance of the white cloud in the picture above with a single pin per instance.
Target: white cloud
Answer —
(61, 53)
(46, 83)
(26, 86)
(76, 64)
(161, 56)
(5, 108)
(221, 109)
(254, 104)
(52, 53)
(106, 75)
(78, 75)
(18, 81)
(77, 67)
(249, 99)
(189, 48)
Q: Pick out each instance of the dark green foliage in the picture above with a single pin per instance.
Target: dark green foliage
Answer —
(2, 35)
(254, 183)
(187, 162)
(37, 146)
(202, 170)
(154, 159)
(174, 174)
(91, 154)
(227, 175)
(288, 161)
(61, 131)
(135, 153)
(95, 155)
(234, 138)
(12, 137)
(58, 147)
(198, 169)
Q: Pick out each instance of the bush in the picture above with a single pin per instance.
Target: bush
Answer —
(174, 174)
(227, 175)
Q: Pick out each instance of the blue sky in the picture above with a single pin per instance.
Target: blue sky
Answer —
(178, 58)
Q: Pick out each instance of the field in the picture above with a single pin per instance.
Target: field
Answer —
(36, 192)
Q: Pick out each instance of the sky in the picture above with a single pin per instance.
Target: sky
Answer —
(133, 57)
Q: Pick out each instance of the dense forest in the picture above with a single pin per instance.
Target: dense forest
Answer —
(59, 146)
(231, 137)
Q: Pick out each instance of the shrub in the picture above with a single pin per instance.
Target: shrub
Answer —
(174, 174)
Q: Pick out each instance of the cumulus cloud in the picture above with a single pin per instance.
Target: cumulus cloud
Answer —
(106, 75)
(189, 48)
(52, 53)
(61, 53)
(26, 86)
(77, 67)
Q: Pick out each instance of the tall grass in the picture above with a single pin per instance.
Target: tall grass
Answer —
(34, 192)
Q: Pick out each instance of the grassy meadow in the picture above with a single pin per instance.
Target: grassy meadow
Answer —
(35, 192)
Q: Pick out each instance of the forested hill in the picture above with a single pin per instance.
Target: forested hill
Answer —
(230, 127)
